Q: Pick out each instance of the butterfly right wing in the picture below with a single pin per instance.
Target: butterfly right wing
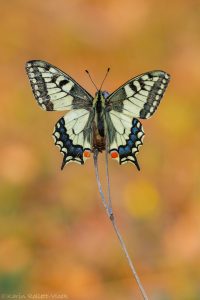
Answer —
(73, 134)
(55, 90)
(140, 96)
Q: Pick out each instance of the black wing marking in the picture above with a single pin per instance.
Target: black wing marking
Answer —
(140, 96)
(125, 136)
(73, 135)
(55, 90)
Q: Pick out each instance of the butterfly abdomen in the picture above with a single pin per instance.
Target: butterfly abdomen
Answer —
(98, 140)
(98, 127)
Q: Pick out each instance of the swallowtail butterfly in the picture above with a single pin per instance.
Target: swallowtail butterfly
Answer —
(94, 121)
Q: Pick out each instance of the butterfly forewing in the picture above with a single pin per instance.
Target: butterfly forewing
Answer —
(55, 90)
(140, 96)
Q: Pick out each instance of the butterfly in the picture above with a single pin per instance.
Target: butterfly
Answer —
(106, 121)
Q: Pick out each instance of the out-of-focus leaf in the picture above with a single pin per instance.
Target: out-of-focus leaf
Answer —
(142, 199)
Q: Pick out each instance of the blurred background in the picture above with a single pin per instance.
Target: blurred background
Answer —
(54, 233)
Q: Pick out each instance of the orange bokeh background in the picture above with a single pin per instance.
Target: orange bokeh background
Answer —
(54, 233)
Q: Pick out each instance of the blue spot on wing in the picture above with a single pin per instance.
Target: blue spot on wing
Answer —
(78, 151)
(135, 122)
(121, 150)
(127, 149)
(134, 130)
(133, 137)
(130, 143)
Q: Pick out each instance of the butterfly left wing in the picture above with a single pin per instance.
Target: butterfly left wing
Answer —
(73, 135)
(125, 136)
(55, 90)
(140, 96)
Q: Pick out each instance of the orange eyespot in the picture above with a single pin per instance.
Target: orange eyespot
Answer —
(114, 154)
(87, 153)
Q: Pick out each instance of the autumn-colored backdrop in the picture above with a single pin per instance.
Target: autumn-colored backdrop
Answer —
(54, 233)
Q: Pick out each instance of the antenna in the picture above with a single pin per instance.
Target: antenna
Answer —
(91, 79)
(105, 77)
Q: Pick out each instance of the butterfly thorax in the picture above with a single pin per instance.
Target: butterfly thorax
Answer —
(98, 124)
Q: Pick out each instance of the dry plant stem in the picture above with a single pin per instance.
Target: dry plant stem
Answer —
(108, 207)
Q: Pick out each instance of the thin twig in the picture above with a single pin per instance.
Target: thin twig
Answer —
(108, 178)
(108, 207)
(99, 183)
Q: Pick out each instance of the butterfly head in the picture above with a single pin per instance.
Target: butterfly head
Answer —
(99, 94)
(105, 94)
(100, 97)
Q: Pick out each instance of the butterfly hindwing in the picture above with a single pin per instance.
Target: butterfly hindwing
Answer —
(140, 96)
(55, 90)
(125, 136)
(73, 135)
